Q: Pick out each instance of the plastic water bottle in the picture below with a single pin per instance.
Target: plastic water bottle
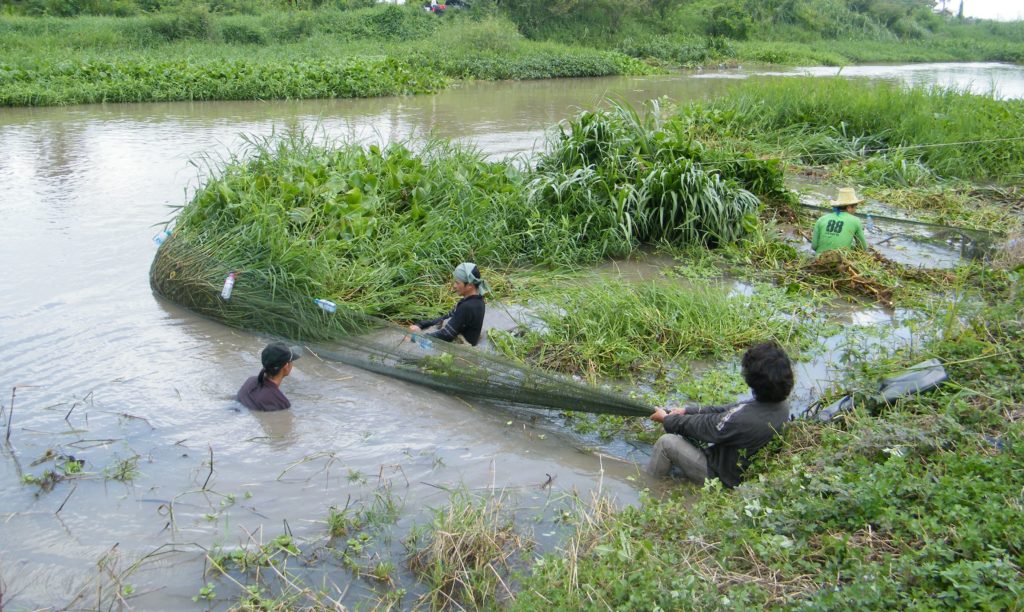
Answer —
(229, 285)
(870, 225)
(159, 238)
(326, 305)
(424, 343)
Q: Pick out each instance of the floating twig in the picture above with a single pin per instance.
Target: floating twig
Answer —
(210, 473)
(85, 443)
(394, 468)
(73, 489)
(131, 416)
(307, 459)
(10, 415)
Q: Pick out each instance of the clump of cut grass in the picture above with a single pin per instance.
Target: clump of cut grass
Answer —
(467, 550)
(887, 170)
(125, 470)
(868, 274)
(276, 551)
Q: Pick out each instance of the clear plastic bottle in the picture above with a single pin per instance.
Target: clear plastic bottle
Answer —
(164, 235)
(229, 285)
(870, 223)
(326, 305)
(423, 342)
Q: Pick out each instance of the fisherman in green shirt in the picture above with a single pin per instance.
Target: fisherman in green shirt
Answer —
(840, 229)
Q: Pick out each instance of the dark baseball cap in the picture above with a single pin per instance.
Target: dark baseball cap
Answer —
(277, 354)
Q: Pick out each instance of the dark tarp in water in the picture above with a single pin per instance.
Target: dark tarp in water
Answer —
(922, 377)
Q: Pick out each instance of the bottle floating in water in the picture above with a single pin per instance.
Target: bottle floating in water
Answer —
(159, 238)
(229, 285)
(870, 224)
(423, 342)
(326, 305)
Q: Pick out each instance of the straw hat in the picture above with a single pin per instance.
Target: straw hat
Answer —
(846, 197)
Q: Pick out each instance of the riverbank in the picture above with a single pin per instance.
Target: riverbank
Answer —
(194, 53)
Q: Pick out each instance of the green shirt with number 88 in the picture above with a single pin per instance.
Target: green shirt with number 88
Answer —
(838, 231)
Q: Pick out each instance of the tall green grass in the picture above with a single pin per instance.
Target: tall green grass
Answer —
(629, 177)
(378, 229)
(238, 79)
(621, 330)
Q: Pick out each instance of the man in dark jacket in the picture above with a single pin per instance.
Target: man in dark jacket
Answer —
(730, 435)
(466, 320)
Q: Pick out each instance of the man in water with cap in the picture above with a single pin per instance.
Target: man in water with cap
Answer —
(467, 318)
(840, 229)
(263, 391)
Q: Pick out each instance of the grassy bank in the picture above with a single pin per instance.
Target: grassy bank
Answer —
(912, 505)
(197, 55)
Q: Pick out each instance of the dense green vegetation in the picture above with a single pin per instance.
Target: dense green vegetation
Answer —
(72, 51)
(192, 54)
(916, 506)
(913, 505)
(373, 228)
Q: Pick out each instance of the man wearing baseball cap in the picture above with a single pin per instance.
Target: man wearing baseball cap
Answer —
(263, 391)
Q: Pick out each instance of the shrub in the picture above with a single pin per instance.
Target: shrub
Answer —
(729, 20)
(188, 22)
(290, 27)
(242, 33)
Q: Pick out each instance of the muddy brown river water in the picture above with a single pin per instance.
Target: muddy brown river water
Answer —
(99, 369)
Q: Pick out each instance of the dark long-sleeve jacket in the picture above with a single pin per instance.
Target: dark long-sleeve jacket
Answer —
(732, 433)
(467, 319)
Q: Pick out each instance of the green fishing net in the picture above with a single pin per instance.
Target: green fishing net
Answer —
(188, 273)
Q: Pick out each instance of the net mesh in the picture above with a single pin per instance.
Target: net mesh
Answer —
(187, 273)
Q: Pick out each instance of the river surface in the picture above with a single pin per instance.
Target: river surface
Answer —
(98, 369)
